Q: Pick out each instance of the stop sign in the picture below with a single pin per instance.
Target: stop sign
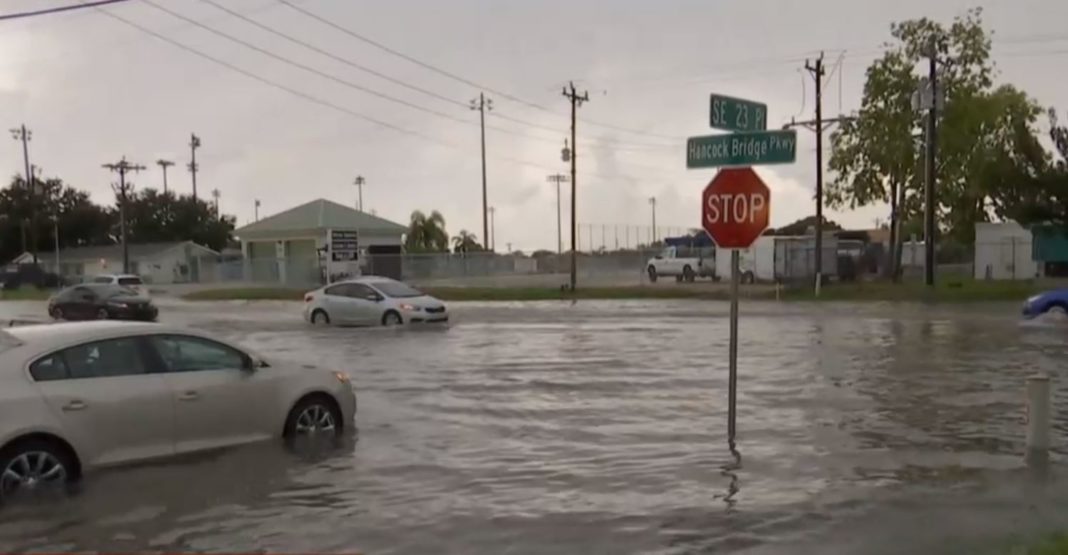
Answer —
(735, 208)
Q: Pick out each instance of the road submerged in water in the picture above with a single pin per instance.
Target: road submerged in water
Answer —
(600, 427)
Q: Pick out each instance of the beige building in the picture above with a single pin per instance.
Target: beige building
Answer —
(304, 244)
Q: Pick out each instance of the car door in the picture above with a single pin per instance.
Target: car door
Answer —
(107, 402)
(218, 398)
(80, 304)
(337, 305)
(366, 310)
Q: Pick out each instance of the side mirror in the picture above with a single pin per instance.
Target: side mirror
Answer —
(659, 257)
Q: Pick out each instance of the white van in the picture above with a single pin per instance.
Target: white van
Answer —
(129, 281)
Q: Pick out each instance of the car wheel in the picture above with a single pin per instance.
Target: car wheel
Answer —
(102, 314)
(1057, 308)
(652, 274)
(687, 274)
(391, 318)
(34, 467)
(319, 317)
(57, 313)
(315, 415)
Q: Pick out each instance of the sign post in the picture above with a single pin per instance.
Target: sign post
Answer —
(736, 204)
(735, 211)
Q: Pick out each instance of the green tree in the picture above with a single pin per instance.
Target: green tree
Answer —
(80, 221)
(426, 233)
(466, 242)
(153, 217)
(878, 157)
(1034, 187)
(802, 227)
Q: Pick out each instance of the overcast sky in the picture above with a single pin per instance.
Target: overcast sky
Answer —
(93, 89)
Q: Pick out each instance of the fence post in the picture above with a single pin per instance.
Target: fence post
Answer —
(1038, 419)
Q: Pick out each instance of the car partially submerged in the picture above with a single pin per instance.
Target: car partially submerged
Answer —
(1054, 301)
(79, 396)
(372, 301)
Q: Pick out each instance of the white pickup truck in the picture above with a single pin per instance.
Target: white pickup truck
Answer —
(683, 266)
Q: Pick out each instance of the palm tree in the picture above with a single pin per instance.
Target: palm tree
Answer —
(465, 242)
(427, 233)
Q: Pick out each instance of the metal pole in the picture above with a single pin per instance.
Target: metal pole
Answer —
(932, 145)
(652, 203)
(574, 179)
(55, 222)
(194, 144)
(559, 232)
(732, 385)
(817, 71)
(23, 134)
(1038, 419)
(122, 220)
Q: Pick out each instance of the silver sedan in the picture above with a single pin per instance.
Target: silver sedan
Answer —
(79, 396)
(372, 301)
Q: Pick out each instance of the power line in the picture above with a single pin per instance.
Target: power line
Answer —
(328, 104)
(337, 79)
(454, 76)
(333, 56)
(58, 9)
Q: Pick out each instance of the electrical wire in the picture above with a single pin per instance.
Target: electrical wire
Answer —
(327, 104)
(459, 78)
(361, 67)
(58, 9)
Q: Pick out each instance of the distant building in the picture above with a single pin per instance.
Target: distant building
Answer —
(1004, 250)
(175, 262)
(320, 238)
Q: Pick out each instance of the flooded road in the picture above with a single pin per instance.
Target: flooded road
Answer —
(600, 427)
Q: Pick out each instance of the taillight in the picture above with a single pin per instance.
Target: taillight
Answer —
(308, 298)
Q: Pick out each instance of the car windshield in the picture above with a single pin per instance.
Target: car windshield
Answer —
(130, 281)
(397, 289)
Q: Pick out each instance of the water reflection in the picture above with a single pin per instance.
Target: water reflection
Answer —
(598, 427)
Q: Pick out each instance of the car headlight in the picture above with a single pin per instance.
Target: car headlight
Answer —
(116, 304)
(342, 377)
(410, 307)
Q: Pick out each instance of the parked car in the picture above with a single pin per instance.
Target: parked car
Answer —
(76, 397)
(672, 262)
(101, 302)
(370, 301)
(1050, 301)
(130, 281)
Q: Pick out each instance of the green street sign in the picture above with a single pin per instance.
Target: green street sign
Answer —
(735, 114)
(742, 149)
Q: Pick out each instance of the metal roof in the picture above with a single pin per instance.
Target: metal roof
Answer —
(320, 215)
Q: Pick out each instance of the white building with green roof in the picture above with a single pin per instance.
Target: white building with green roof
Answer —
(321, 237)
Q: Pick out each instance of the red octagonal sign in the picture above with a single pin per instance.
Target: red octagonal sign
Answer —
(735, 208)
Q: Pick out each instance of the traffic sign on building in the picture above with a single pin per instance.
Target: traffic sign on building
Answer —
(735, 208)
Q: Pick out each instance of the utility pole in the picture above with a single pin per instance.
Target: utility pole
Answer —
(491, 241)
(817, 73)
(24, 135)
(123, 167)
(558, 179)
(617, 236)
(929, 190)
(603, 244)
(482, 104)
(576, 101)
(256, 208)
(652, 203)
(164, 164)
(358, 182)
(194, 144)
(215, 195)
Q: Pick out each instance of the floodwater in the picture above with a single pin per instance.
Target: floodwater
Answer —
(600, 427)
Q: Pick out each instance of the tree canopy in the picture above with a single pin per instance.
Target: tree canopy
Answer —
(151, 217)
(982, 130)
(426, 233)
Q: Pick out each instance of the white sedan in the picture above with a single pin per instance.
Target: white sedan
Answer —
(372, 301)
(79, 396)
